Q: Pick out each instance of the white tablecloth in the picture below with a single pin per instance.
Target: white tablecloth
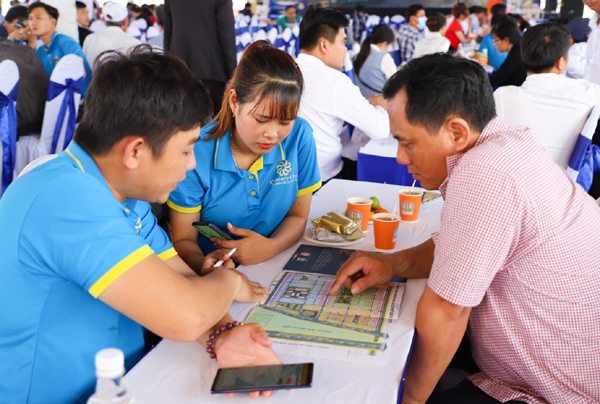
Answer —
(177, 372)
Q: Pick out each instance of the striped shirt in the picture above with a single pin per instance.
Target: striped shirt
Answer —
(519, 243)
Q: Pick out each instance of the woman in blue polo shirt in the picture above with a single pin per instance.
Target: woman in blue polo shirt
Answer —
(256, 166)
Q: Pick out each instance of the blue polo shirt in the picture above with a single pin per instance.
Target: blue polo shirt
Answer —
(258, 198)
(64, 239)
(59, 46)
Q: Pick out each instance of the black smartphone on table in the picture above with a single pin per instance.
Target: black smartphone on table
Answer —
(259, 378)
(209, 230)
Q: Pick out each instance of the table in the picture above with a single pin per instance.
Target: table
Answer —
(182, 372)
(376, 162)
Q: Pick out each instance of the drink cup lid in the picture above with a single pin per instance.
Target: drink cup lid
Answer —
(110, 363)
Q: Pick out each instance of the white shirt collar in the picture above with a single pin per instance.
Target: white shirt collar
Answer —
(305, 58)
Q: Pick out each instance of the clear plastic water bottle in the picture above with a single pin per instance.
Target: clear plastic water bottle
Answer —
(110, 367)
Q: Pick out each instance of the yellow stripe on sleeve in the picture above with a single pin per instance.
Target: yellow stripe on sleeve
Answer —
(181, 209)
(115, 272)
(308, 190)
(165, 255)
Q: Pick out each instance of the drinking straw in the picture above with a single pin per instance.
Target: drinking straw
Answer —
(394, 212)
(411, 188)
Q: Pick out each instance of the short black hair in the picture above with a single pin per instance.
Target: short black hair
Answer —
(498, 9)
(52, 12)
(146, 93)
(17, 13)
(476, 9)
(320, 23)
(439, 86)
(435, 22)
(159, 13)
(412, 10)
(359, 8)
(247, 5)
(80, 4)
(508, 28)
(288, 7)
(543, 45)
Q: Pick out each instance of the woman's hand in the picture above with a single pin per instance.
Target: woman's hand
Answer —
(211, 259)
(243, 346)
(252, 248)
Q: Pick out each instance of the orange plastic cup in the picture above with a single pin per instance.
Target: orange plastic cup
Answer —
(410, 204)
(386, 230)
(359, 210)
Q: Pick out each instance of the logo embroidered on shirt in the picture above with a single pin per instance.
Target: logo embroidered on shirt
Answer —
(284, 167)
(138, 226)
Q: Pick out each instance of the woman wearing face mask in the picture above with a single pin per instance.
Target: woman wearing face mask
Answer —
(373, 66)
(256, 166)
(454, 33)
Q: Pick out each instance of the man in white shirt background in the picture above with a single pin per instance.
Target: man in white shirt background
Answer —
(329, 98)
(113, 37)
(554, 106)
(579, 28)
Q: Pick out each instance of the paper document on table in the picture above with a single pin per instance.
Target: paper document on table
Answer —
(302, 318)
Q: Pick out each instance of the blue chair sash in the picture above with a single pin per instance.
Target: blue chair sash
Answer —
(54, 90)
(8, 131)
(591, 164)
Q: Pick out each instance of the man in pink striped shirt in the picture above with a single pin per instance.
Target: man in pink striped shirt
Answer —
(516, 258)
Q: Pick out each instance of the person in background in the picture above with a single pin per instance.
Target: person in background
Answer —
(33, 86)
(67, 25)
(507, 38)
(455, 33)
(553, 106)
(478, 19)
(579, 28)
(435, 41)
(291, 19)
(495, 58)
(42, 22)
(101, 270)
(114, 37)
(138, 13)
(83, 21)
(523, 23)
(359, 19)
(15, 27)
(159, 40)
(592, 67)
(514, 265)
(330, 99)
(408, 35)
(247, 11)
(373, 65)
(203, 35)
(256, 153)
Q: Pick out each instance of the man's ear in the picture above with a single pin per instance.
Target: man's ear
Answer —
(133, 149)
(459, 133)
(323, 46)
(561, 64)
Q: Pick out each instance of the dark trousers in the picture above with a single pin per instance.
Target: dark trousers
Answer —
(465, 392)
(216, 88)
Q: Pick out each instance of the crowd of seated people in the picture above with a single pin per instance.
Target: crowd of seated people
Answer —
(151, 133)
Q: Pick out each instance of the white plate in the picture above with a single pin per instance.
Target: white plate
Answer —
(308, 237)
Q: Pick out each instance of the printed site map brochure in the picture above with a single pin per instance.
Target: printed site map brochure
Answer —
(302, 318)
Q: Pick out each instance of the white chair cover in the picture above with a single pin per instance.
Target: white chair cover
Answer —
(242, 43)
(140, 23)
(9, 87)
(585, 159)
(37, 162)
(152, 32)
(135, 32)
(62, 105)
(272, 33)
(260, 35)
(371, 23)
(97, 26)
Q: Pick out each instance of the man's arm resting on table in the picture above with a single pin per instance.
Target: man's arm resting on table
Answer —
(413, 262)
(171, 305)
(440, 327)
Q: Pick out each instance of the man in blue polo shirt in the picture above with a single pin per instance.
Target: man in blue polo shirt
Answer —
(42, 21)
(84, 264)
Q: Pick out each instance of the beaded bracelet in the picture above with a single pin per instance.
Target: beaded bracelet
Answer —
(211, 338)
